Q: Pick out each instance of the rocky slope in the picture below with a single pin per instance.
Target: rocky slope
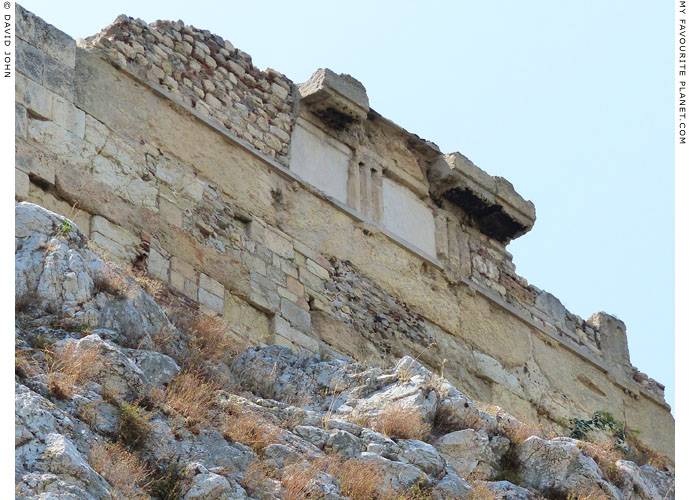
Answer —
(115, 400)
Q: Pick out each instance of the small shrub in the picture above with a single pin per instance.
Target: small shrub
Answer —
(641, 454)
(64, 229)
(122, 469)
(399, 422)
(166, 482)
(134, 425)
(69, 368)
(251, 430)
(600, 420)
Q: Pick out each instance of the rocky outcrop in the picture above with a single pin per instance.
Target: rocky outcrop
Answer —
(102, 413)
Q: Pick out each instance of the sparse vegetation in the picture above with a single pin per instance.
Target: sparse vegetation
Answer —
(166, 481)
(359, 481)
(134, 425)
(399, 422)
(70, 368)
(480, 491)
(64, 229)
(192, 396)
(150, 285)
(111, 281)
(122, 469)
(605, 455)
(250, 429)
(601, 420)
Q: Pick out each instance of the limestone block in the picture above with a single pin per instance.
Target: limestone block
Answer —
(21, 185)
(210, 300)
(61, 142)
(337, 99)
(318, 270)
(320, 160)
(169, 212)
(613, 340)
(68, 116)
(184, 268)
(490, 369)
(33, 96)
(297, 316)
(552, 307)
(247, 320)
(29, 61)
(405, 215)
(50, 202)
(491, 202)
(59, 78)
(19, 120)
(211, 285)
(44, 36)
(158, 265)
(95, 132)
(116, 240)
(283, 330)
(279, 244)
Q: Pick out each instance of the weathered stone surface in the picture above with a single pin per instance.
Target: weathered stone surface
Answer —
(46, 37)
(395, 475)
(560, 465)
(376, 298)
(491, 203)
(338, 99)
(467, 451)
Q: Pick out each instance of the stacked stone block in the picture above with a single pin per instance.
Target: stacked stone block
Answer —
(210, 75)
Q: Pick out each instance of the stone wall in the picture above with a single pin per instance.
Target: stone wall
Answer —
(269, 204)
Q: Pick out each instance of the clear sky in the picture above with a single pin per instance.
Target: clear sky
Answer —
(570, 101)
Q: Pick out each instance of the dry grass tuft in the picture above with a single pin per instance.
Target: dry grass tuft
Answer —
(24, 364)
(110, 280)
(192, 396)
(298, 481)
(480, 491)
(359, 481)
(122, 469)
(70, 369)
(257, 476)
(525, 430)
(251, 430)
(605, 455)
(151, 285)
(210, 339)
(644, 455)
(399, 422)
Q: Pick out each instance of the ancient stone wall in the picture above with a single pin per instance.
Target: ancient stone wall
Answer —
(302, 217)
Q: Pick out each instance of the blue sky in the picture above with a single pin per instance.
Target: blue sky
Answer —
(570, 101)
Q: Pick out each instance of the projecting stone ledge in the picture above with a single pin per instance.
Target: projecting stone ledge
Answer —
(337, 99)
(491, 203)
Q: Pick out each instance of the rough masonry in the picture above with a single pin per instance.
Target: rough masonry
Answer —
(303, 217)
